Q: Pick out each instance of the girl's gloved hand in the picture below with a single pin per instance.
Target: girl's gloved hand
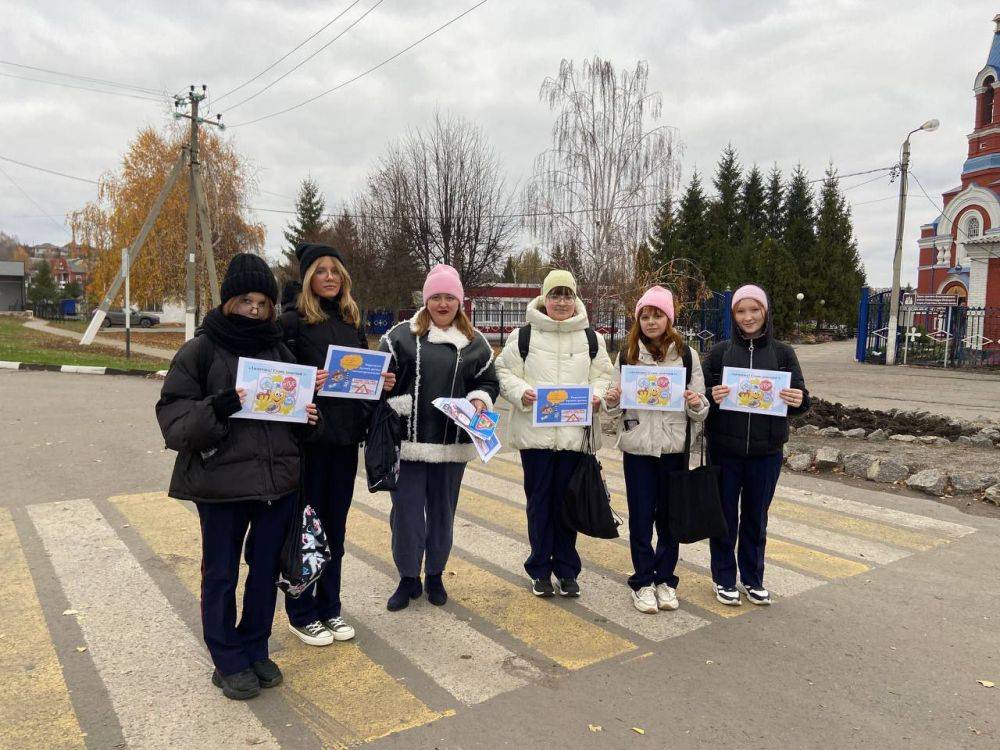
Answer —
(228, 402)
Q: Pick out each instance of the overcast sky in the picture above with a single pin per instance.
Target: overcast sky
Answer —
(786, 82)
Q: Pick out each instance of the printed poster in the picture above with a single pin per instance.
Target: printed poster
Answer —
(755, 391)
(463, 413)
(653, 388)
(562, 406)
(354, 373)
(276, 391)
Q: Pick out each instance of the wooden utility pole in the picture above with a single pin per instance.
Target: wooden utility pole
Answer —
(197, 218)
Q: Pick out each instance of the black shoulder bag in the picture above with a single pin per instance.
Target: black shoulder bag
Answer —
(693, 510)
(586, 507)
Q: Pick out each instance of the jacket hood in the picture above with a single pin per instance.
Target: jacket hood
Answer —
(765, 335)
(536, 316)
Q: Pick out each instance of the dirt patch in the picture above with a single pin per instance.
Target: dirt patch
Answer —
(894, 422)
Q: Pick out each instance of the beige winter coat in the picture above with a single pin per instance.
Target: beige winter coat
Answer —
(558, 355)
(652, 433)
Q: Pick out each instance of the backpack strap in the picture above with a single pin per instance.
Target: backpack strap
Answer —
(524, 341)
(592, 342)
(686, 361)
(206, 353)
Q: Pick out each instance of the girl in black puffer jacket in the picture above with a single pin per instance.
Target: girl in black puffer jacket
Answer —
(325, 314)
(242, 474)
(747, 448)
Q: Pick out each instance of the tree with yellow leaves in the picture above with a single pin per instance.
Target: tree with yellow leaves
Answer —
(124, 197)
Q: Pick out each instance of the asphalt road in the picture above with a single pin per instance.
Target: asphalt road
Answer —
(886, 615)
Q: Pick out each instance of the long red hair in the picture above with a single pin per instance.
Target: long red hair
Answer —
(658, 348)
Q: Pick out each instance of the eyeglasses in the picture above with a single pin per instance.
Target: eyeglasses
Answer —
(560, 296)
(251, 305)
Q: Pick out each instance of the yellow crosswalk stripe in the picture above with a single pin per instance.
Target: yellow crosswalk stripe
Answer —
(812, 561)
(35, 708)
(880, 532)
(332, 689)
(568, 640)
(697, 588)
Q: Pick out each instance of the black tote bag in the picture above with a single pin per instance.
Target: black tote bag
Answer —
(586, 506)
(693, 510)
(382, 448)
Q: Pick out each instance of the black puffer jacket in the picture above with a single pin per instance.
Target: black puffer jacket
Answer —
(222, 460)
(345, 420)
(738, 433)
(439, 363)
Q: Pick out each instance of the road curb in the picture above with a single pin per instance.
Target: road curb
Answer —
(83, 370)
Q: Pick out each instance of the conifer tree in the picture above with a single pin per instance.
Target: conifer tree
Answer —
(692, 226)
(840, 274)
(799, 237)
(753, 222)
(308, 226)
(774, 205)
(509, 270)
(664, 242)
(725, 231)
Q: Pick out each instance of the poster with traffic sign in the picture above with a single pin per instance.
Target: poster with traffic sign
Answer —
(562, 406)
(354, 373)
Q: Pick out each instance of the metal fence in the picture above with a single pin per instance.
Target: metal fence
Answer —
(931, 335)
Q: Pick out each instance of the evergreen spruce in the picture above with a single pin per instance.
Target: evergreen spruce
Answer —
(664, 242)
(308, 226)
(753, 223)
(725, 228)
(507, 276)
(774, 205)
(840, 275)
(43, 287)
(799, 237)
(691, 232)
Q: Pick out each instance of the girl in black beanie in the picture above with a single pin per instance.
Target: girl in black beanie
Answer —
(326, 314)
(242, 474)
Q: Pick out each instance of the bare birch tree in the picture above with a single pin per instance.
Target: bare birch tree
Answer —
(443, 191)
(597, 186)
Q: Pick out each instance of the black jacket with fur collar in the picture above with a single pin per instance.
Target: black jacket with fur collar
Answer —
(443, 362)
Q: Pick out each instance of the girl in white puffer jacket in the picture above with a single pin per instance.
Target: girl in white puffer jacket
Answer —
(559, 353)
(652, 444)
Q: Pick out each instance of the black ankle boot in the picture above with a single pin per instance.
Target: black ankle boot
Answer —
(408, 588)
(435, 590)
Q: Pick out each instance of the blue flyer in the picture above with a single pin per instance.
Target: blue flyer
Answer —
(354, 373)
(562, 406)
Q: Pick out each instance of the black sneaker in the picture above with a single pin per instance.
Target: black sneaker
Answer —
(238, 686)
(542, 587)
(267, 673)
(569, 587)
(730, 597)
(759, 596)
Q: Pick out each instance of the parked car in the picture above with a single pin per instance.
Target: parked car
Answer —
(139, 318)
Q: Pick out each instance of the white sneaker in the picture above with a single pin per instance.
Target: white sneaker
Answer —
(340, 629)
(726, 596)
(645, 600)
(666, 597)
(760, 597)
(315, 633)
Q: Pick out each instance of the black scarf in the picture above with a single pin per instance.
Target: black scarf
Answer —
(239, 334)
(330, 306)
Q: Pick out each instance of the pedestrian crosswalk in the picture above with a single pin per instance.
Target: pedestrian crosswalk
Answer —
(128, 567)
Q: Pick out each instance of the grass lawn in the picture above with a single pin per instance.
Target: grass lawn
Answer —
(20, 344)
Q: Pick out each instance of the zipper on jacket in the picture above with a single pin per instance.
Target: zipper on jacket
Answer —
(748, 413)
(451, 394)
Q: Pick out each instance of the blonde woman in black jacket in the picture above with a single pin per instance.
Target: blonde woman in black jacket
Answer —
(241, 474)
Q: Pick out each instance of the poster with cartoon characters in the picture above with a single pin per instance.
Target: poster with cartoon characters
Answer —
(755, 391)
(354, 373)
(654, 388)
(562, 406)
(276, 391)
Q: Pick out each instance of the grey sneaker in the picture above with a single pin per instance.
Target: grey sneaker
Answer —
(313, 633)
(726, 596)
(759, 596)
(340, 629)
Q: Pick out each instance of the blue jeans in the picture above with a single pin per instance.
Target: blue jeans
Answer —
(646, 479)
(746, 486)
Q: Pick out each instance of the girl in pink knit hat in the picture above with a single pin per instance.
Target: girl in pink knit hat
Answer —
(653, 444)
(747, 448)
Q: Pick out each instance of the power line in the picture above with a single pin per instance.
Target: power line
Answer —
(84, 88)
(103, 81)
(49, 171)
(307, 59)
(292, 51)
(367, 72)
(853, 174)
(33, 201)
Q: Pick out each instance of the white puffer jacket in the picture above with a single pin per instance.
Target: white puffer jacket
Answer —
(652, 433)
(558, 355)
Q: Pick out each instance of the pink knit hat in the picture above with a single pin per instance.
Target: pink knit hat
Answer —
(750, 291)
(443, 279)
(659, 298)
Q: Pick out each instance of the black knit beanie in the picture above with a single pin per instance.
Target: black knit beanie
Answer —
(308, 253)
(249, 273)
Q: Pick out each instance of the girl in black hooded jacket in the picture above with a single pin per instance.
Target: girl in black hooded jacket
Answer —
(326, 314)
(747, 448)
(242, 474)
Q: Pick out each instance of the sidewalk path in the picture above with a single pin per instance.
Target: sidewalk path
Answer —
(832, 374)
(149, 351)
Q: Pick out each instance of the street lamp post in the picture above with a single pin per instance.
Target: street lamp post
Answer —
(897, 258)
(798, 310)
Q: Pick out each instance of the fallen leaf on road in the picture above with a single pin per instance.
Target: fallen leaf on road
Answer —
(81, 649)
(595, 727)
(710, 662)
(985, 683)
(70, 612)
(638, 730)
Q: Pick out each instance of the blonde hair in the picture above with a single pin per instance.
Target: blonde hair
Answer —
(461, 322)
(658, 349)
(309, 306)
(267, 311)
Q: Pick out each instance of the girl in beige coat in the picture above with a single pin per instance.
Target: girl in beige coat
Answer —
(652, 444)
